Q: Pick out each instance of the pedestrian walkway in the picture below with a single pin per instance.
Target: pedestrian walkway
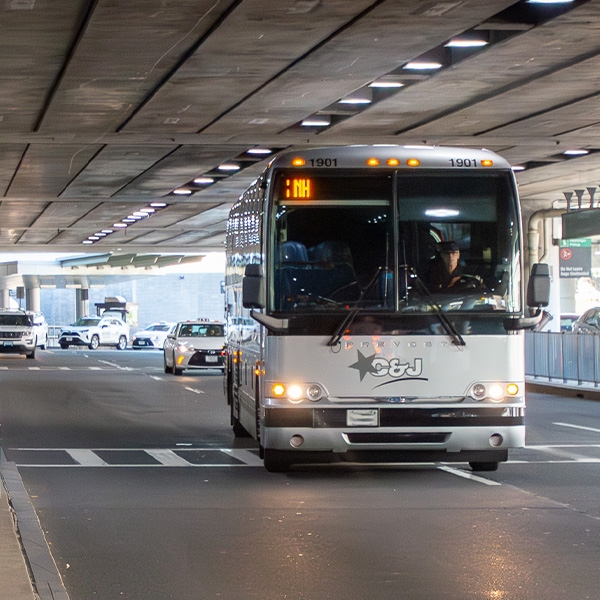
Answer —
(15, 582)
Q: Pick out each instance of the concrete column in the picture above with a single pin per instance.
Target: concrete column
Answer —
(32, 298)
(5, 299)
(82, 308)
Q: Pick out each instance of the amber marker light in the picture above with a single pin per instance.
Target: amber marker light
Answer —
(413, 162)
(373, 162)
(486, 162)
(298, 162)
(393, 162)
(278, 390)
(512, 389)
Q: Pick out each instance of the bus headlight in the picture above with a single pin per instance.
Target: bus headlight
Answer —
(494, 391)
(297, 392)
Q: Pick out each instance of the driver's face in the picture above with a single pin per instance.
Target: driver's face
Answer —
(451, 260)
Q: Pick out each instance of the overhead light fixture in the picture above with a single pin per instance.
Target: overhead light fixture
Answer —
(228, 167)
(203, 180)
(417, 65)
(317, 121)
(386, 84)
(576, 152)
(441, 212)
(466, 43)
(517, 168)
(362, 96)
(120, 225)
(182, 191)
(549, 1)
(158, 204)
(260, 151)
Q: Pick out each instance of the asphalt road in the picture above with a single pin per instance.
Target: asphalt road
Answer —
(143, 494)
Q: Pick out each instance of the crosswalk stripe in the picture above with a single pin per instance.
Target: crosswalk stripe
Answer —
(168, 458)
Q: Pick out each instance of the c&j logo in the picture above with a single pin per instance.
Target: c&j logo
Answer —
(377, 366)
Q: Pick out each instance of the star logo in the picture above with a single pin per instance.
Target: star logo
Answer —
(364, 364)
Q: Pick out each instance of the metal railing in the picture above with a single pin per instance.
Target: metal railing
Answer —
(563, 357)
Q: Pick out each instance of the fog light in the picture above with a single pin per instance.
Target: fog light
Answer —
(314, 393)
(296, 441)
(478, 390)
(496, 440)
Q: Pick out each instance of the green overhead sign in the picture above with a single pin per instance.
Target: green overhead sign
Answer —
(575, 258)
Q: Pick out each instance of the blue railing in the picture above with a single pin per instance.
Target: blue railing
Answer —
(569, 358)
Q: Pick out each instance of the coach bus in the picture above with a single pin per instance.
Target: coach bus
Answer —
(375, 305)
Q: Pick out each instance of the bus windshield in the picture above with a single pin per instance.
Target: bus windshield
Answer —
(400, 242)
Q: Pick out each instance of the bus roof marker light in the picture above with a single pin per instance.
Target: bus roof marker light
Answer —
(413, 162)
(298, 161)
(486, 162)
(373, 162)
(392, 162)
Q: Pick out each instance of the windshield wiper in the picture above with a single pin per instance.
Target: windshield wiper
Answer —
(457, 339)
(347, 321)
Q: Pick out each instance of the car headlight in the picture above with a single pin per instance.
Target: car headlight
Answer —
(297, 392)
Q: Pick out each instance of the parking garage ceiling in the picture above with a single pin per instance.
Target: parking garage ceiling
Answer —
(163, 111)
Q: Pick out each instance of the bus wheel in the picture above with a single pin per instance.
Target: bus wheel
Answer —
(277, 461)
(484, 466)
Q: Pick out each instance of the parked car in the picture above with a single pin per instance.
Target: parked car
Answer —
(567, 320)
(588, 322)
(40, 329)
(195, 345)
(153, 336)
(17, 335)
(95, 331)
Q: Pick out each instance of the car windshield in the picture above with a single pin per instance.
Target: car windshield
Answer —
(18, 320)
(200, 330)
(158, 327)
(86, 322)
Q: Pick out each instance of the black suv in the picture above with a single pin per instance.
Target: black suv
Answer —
(16, 333)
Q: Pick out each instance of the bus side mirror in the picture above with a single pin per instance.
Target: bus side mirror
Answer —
(538, 288)
(253, 289)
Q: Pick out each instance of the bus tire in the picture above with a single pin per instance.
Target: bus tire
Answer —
(277, 461)
(484, 466)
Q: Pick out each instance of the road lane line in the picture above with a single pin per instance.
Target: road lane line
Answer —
(168, 458)
(194, 390)
(578, 427)
(248, 458)
(86, 458)
(467, 475)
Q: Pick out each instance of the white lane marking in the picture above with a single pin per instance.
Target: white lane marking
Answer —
(95, 368)
(64, 368)
(156, 377)
(86, 458)
(168, 458)
(34, 369)
(194, 390)
(248, 458)
(115, 365)
(578, 427)
(467, 475)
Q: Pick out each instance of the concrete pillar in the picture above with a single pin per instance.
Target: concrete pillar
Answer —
(5, 300)
(82, 308)
(32, 298)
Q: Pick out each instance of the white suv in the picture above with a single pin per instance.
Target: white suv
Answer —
(16, 333)
(95, 331)
(40, 329)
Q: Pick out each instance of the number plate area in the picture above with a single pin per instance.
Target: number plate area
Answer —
(211, 359)
(365, 417)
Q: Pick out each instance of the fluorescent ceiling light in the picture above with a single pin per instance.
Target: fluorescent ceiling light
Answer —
(549, 1)
(362, 96)
(182, 191)
(422, 66)
(228, 167)
(317, 121)
(576, 152)
(120, 225)
(158, 204)
(203, 180)
(441, 212)
(517, 168)
(84, 242)
(260, 151)
(382, 83)
(466, 43)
